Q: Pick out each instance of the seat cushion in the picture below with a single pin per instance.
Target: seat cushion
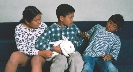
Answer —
(6, 48)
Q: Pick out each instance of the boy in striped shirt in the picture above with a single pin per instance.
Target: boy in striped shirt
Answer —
(104, 45)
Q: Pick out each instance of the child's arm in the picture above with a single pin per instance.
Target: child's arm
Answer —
(91, 31)
(43, 42)
(114, 51)
(57, 49)
(78, 40)
(45, 53)
(88, 34)
(84, 35)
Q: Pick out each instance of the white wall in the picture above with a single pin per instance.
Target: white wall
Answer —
(86, 10)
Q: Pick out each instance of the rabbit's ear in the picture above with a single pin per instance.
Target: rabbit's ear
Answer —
(64, 38)
(64, 52)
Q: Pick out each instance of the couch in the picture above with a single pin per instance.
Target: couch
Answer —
(125, 58)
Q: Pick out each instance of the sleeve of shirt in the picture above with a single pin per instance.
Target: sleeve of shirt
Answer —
(115, 49)
(90, 32)
(78, 39)
(43, 41)
(22, 44)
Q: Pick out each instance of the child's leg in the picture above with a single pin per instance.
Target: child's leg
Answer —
(37, 63)
(16, 58)
(89, 63)
(106, 66)
(75, 62)
(59, 64)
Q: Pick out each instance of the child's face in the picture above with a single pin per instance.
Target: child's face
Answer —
(68, 19)
(111, 27)
(35, 23)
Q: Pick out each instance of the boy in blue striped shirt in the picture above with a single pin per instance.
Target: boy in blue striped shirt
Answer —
(104, 45)
(67, 28)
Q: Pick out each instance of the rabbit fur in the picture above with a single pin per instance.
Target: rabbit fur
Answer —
(66, 47)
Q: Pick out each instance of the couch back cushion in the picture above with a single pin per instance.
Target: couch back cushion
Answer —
(7, 42)
(7, 30)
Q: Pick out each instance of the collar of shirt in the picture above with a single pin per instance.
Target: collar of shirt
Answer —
(107, 31)
(29, 29)
(60, 26)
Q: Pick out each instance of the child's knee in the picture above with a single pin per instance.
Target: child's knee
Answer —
(15, 57)
(76, 58)
(37, 60)
(111, 68)
(60, 59)
(87, 68)
(59, 62)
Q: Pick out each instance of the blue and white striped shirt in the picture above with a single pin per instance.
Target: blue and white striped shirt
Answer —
(102, 42)
(55, 32)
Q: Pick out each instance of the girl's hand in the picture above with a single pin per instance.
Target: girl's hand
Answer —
(45, 53)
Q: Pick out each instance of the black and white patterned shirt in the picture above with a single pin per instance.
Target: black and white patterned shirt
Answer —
(25, 38)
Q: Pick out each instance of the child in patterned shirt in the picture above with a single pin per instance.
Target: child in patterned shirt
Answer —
(65, 27)
(104, 45)
(26, 34)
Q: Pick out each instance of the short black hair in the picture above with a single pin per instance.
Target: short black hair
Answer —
(117, 19)
(63, 10)
(29, 13)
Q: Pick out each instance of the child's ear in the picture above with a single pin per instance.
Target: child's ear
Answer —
(26, 22)
(61, 18)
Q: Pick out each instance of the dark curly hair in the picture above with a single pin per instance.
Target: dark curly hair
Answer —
(117, 19)
(63, 10)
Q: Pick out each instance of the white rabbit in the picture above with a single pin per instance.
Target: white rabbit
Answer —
(66, 47)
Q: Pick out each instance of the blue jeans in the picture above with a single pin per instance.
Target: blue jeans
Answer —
(104, 66)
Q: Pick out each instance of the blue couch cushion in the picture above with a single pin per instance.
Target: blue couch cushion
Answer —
(6, 48)
(7, 30)
(125, 57)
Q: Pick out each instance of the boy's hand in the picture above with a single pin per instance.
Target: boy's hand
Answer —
(45, 53)
(57, 49)
(84, 35)
(107, 57)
